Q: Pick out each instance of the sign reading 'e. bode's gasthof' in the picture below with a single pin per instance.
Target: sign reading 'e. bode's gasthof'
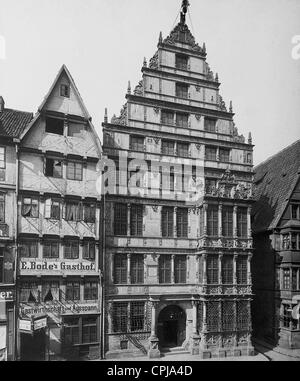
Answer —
(59, 267)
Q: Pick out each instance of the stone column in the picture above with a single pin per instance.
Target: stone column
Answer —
(128, 268)
(158, 256)
(128, 220)
(234, 221)
(195, 335)
(205, 206)
(172, 268)
(154, 341)
(220, 230)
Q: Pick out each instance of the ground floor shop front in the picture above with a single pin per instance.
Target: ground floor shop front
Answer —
(204, 326)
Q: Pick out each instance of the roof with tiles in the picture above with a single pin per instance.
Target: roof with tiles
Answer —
(274, 182)
(13, 122)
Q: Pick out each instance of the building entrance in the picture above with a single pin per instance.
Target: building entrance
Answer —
(171, 327)
(33, 346)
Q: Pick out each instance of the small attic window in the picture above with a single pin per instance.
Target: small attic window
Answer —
(65, 91)
(55, 126)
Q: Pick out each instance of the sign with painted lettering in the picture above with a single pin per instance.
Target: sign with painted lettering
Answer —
(7, 295)
(25, 325)
(58, 308)
(40, 323)
(55, 267)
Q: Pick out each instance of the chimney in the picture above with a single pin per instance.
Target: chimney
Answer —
(2, 104)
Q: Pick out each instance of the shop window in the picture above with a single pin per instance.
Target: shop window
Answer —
(30, 207)
(181, 62)
(89, 330)
(241, 270)
(74, 211)
(51, 250)
(29, 292)
(136, 220)
(137, 316)
(137, 268)
(2, 208)
(89, 250)
(72, 291)
(136, 143)
(212, 269)
(90, 291)
(167, 147)
(182, 222)
(65, 91)
(50, 291)
(29, 249)
(74, 171)
(182, 90)
(180, 263)
(71, 250)
(227, 270)
(120, 219)
(52, 209)
(90, 213)
(164, 268)
(167, 222)
(120, 269)
(53, 168)
(55, 126)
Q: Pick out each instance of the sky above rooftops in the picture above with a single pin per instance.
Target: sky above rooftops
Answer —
(103, 43)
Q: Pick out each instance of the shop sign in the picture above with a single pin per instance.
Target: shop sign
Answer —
(25, 325)
(59, 267)
(40, 323)
(57, 309)
(7, 295)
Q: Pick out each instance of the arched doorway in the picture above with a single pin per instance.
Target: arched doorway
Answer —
(171, 327)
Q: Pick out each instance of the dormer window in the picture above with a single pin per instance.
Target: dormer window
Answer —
(65, 91)
(181, 62)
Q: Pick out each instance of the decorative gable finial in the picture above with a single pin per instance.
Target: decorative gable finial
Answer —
(184, 8)
(204, 47)
(129, 88)
(105, 116)
(217, 77)
(249, 138)
(230, 107)
(160, 39)
(145, 62)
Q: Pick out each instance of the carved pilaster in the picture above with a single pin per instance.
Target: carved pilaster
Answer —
(220, 232)
(128, 219)
(204, 256)
(173, 268)
(234, 221)
(205, 207)
(128, 268)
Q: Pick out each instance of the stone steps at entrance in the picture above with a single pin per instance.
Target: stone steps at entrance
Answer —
(173, 351)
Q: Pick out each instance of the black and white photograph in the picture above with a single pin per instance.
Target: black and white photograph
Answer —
(150, 183)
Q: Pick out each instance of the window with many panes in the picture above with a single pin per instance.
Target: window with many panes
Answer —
(50, 291)
(137, 143)
(227, 269)
(183, 149)
(30, 207)
(90, 290)
(167, 221)
(241, 222)
(167, 147)
(210, 124)
(52, 209)
(28, 249)
(74, 170)
(128, 317)
(2, 157)
(120, 269)
(89, 329)
(182, 120)
(181, 61)
(180, 268)
(120, 219)
(295, 211)
(212, 220)
(286, 279)
(71, 330)
(29, 292)
(53, 168)
(164, 268)
(89, 211)
(137, 316)
(212, 272)
(50, 249)
(295, 278)
(211, 153)
(243, 315)
(120, 317)
(71, 249)
(73, 211)
(213, 321)
(227, 221)
(242, 270)
(286, 318)
(285, 241)
(224, 154)
(228, 316)
(167, 117)
(72, 290)
(136, 220)
(65, 91)
(2, 207)
(137, 268)
(182, 222)
(88, 250)
(182, 90)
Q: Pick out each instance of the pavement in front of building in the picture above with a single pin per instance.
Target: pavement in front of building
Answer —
(276, 353)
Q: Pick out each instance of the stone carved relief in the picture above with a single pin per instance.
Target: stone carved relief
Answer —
(153, 63)
(139, 89)
(122, 119)
(189, 39)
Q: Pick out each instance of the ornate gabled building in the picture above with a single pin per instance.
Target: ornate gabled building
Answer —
(178, 241)
(276, 258)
